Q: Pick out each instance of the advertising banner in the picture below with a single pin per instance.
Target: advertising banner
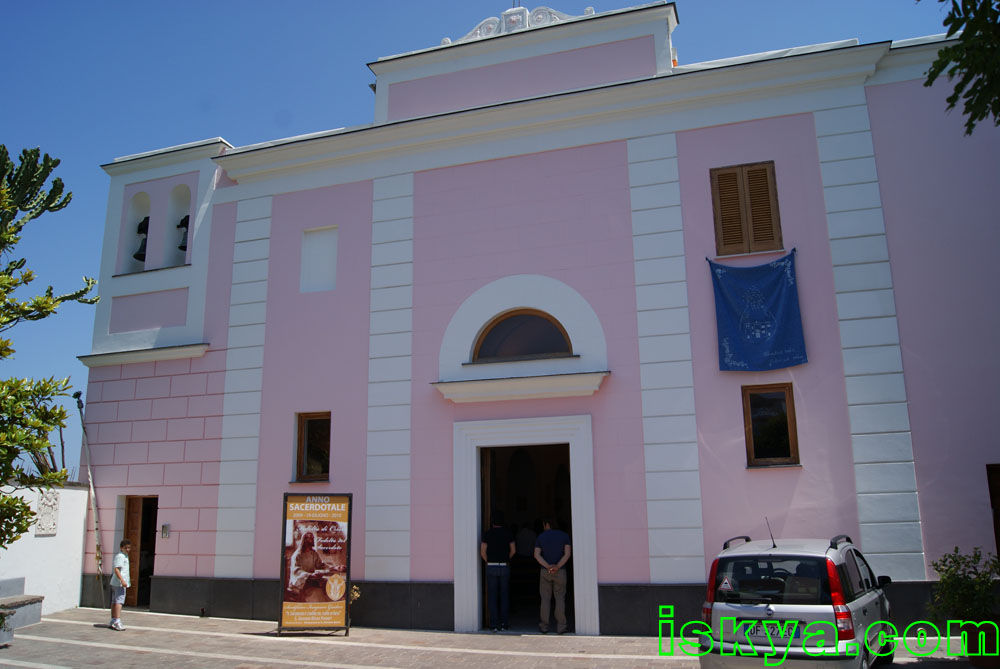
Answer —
(315, 562)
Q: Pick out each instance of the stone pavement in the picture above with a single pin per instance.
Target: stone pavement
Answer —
(80, 638)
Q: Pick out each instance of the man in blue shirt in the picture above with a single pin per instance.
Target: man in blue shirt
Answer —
(552, 551)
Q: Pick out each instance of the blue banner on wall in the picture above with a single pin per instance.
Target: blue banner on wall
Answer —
(757, 315)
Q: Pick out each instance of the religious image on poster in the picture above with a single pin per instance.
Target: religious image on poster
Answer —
(316, 564)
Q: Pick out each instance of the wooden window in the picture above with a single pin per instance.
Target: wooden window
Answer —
(769, 424)
(745, 200)
(523, 334)
(313, 460)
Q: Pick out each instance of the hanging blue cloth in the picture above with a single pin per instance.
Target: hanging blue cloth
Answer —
(757, 315)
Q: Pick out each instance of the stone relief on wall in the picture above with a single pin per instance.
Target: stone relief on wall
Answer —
(512, 20)
(48, 513)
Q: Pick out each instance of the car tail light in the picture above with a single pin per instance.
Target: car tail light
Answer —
(706, 608)
(841, 614)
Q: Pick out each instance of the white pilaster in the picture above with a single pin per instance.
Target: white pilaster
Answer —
(387, 485)
(869, 336)
(241, 402)
(673, 495)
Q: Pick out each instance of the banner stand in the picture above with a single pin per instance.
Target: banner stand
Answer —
(315, 563)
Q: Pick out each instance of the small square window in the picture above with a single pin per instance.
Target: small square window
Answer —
(313, 460)
(769, 423)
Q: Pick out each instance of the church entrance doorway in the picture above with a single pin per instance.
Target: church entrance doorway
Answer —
(528, 484)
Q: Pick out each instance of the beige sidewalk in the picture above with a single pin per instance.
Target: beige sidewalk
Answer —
(80, 638)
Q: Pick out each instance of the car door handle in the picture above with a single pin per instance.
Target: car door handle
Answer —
(864, 611)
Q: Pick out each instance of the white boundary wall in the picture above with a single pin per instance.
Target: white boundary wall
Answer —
(51, 565)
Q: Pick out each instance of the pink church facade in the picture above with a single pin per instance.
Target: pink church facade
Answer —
(357, 275)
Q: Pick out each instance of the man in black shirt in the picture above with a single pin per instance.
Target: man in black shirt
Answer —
(496, 549)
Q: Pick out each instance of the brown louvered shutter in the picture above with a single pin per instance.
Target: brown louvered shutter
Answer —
(762, 206)
(729, 206)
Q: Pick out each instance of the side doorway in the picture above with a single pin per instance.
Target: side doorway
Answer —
(140, 529)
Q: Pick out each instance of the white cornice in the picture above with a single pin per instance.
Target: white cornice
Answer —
(144, 355)
(840, 67)
(522, 388)
(910, 59)
(174, 155)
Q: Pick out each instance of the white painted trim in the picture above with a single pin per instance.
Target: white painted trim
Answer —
(390, 347)
(522, 388)
(468, 438)
(870, 344)
(676, 546)
(244, 376)
(144, 355)
(169, 156)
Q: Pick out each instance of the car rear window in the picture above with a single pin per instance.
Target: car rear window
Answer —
(775, 579)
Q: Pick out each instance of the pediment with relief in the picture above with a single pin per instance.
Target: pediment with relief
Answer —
(513, 20)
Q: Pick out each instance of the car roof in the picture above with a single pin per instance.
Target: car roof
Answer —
(815, 547)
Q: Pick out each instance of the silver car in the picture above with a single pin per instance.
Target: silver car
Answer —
(811, 602)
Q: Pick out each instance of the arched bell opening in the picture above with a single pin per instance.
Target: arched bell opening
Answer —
(178, 224)
(135, 232)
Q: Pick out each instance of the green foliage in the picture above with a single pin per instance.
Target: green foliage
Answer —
(966, 589)
(974, 60)
(28, 412)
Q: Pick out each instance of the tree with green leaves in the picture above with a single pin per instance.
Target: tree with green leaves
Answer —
(29, 412)
(973, 62)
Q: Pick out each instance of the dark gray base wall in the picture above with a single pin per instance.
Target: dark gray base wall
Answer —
(625, 610)
(403, 605)
(633, 609)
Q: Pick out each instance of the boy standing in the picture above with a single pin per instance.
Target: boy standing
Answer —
(120, 580)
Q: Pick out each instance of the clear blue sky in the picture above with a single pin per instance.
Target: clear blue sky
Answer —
(91, 81)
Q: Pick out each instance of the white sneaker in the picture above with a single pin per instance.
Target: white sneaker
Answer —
(118, 626)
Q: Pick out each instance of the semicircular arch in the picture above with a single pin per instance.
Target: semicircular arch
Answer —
(532, 293)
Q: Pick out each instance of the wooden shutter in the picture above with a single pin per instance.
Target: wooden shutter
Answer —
(745, 203)
(728, 203)
(762, 205)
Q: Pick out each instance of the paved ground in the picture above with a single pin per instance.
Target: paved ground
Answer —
(80, 638)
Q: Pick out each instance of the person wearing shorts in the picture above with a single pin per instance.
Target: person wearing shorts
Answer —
(120, 580)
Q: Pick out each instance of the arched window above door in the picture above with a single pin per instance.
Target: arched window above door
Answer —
(545, 336)
(522, 334)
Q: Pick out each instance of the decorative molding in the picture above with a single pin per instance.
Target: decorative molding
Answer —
(523, 291)
(514, 20)
(144, 355)
(48, 513)
(580, 384)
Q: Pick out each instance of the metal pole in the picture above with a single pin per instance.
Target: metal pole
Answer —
(99, 557)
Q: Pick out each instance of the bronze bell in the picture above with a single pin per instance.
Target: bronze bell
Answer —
(183, 246)
(142, 229)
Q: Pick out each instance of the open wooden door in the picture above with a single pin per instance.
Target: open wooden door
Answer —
(133, 532)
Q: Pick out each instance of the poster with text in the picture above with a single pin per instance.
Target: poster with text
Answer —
(315, 562)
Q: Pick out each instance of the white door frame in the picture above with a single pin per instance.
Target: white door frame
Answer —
(469, 437)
